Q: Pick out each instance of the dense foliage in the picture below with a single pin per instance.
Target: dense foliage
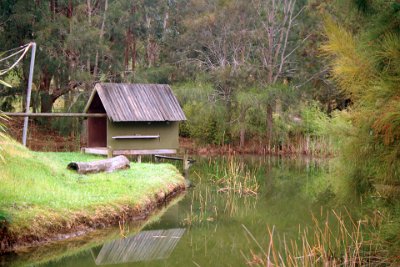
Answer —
(250, 64)
(365, 64)
(244, 72)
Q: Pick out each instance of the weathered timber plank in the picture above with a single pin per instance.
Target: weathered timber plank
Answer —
(144, 152)
(95, 150)
(136, 137)
(173, 158)
(139, 102)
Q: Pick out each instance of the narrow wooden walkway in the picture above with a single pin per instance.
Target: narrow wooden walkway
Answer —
(173, 158)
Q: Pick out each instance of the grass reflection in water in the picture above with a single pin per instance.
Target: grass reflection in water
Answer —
(274, 198)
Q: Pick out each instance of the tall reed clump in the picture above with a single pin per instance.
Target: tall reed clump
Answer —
(235, 179)
(203, 208)
(341, 242)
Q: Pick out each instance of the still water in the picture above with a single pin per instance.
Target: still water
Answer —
(207, 226)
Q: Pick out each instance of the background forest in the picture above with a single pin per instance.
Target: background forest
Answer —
(242, 71)
(301, 76)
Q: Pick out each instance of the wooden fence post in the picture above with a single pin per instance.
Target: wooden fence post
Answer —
(109, 152)
(186, 164)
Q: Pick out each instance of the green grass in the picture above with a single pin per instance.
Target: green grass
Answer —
(43, 255)
(38, 193)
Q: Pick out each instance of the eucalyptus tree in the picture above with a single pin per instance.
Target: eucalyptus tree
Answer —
(223, 34)
(84, 41)
(241, 45)
(51, 25)
(277, 43)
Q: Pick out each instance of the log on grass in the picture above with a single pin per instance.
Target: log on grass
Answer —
(105, 165)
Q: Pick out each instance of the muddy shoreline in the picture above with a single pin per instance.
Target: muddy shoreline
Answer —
(83, 224)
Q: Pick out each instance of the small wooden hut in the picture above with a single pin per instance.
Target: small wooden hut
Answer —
(141, 119)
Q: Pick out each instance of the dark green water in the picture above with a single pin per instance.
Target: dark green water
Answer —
(205, 228)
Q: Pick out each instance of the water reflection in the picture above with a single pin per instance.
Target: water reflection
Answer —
(288, 191)
(145, 246)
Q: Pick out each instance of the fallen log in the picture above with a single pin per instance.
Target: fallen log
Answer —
(104, 165)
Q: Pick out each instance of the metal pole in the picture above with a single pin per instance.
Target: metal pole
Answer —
(28, 93)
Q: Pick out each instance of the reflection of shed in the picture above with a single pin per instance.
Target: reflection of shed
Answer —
(145, 246)
(141, 119)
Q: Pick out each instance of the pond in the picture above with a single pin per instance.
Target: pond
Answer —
(218, 222)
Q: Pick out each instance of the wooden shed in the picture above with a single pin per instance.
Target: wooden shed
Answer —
(140, 119)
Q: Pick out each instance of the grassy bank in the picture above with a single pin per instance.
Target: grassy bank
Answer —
(54, 253)
(40, 199)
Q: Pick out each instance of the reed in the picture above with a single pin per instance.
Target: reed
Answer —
(236, 179)
(341, 242)
(203, 207)
(123, 227)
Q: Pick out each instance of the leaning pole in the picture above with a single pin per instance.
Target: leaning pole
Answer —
(28, 93)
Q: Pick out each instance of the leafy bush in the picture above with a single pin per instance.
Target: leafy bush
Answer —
(160, 75)
(205, 119)
(68, 125)
(314, 120)
(205, 123)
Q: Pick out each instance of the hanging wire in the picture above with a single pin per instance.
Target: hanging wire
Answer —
(15, 48)
(24, 50)
(16, 53)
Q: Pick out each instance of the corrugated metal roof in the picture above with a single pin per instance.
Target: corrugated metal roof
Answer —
(138, 102)
(145, 246)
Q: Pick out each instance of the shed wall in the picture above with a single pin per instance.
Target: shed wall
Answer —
(168, 132)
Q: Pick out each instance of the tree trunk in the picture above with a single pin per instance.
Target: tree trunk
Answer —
(46, 102)
(89, 14)
(270, 122)
(152, 52)
(133, 51)
(128, 40)
(228, 119)
(103, 25)
(105, 165)
(242, 131)
(242, 136)
(133, 40)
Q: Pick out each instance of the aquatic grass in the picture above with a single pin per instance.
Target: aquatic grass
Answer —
(336, 240)
(236, 179)
(203, 208)
(232, 180)
(38, 193)
(206, 205)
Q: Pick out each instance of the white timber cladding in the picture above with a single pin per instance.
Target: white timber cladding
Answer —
(138, 102)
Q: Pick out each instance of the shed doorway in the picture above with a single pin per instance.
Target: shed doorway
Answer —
(97, 132)
(97, 127)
